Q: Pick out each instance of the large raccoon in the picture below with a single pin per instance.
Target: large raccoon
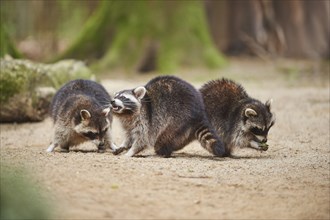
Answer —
(167, 114)
(80, 114)
(239, 120)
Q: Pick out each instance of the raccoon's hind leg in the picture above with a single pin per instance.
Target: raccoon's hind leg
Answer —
(163, 149)
(172, 139)
(210, 140)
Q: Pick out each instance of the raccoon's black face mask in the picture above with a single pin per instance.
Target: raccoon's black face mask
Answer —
(93, 125)
(128, 101)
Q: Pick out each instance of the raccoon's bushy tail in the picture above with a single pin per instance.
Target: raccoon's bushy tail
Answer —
(208, 138)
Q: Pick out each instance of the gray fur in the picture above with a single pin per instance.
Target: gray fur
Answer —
(239, 120)
(167, 114)
(80, 112)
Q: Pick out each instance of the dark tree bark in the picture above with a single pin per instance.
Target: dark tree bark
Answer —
(254, 29)
(306, 27)
(218, 22)
(271, 28)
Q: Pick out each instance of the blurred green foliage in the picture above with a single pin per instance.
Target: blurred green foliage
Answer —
(160, 35)
(6, 45)
(20, 198)
(117, 34)
(120, 33)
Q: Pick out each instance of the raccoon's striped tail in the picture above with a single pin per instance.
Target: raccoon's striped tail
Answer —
(208, 138)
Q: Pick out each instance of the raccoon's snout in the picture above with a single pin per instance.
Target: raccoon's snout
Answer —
(115, 106)
(113, 103)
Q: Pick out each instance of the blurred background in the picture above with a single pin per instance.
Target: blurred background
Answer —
(162, 36)
(245, 40)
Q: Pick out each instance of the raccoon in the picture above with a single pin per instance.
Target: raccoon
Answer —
(79, 114)
(239, 120)
(167, 114)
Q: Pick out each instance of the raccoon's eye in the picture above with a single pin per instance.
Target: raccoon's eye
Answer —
(257, 131)
(91, 135)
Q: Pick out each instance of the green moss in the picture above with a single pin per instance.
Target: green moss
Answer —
(18, 76)
(15, 78)
(10, 84)
(63, 71)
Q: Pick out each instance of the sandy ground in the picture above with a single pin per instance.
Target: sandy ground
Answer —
(289, 181)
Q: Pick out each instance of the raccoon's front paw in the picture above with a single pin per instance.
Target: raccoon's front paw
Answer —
(263, 146)
(100, 150)
(165, 152)
(259, 146)
(64, 150)
(50, 148)
(129, 154)
(118, 150)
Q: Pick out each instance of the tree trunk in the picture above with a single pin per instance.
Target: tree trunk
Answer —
(218, 22)
(306, 27)
(255, 29)
(271, 28)
(147, 36)
(95, 37)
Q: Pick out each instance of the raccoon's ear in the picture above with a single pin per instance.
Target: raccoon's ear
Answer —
(249, 112)
(269, 103)
(106, 111)
(85, 115)
(139, 92)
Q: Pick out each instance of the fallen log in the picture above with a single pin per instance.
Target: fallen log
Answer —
(26, 87)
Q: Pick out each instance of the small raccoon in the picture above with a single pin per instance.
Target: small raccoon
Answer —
(167, 114)
(79, 115)
(239, 120)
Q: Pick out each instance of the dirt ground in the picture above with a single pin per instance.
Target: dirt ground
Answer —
(289, 181)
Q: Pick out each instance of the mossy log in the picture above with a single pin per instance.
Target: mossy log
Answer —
(26, 88)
